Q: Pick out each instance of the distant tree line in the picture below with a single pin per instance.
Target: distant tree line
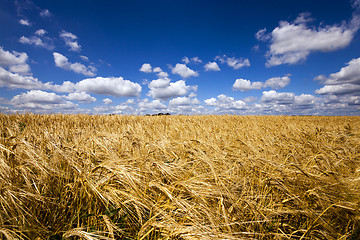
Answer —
(158, 114)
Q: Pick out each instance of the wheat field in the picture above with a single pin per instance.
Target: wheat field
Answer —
(179, 177)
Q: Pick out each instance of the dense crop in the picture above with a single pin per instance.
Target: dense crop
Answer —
(179, 177)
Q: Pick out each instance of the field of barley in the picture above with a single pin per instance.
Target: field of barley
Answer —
(179, 177)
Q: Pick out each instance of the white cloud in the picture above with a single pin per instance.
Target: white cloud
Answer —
(196, 60)
(114, 86)
(262, 36)
(157, 70)
(70, 40)
(186, 60)
(348, 74)
(185, 105)
(40, 32)
(274, 83)
(85, 58)
(184, 71)
(162, 74)
(305, 100)
(63, 62)
(107, 101)
(154, 105)
(278, 98)
(238, 63)
(14, 80)
(36, 96)
(210, 101)
(66, 86)
(20, 68)
(81, 97)
(164, 89)
(4, 109)
(34, 40)
(277, 82)
(212, 66)
(250, 99)
(246, 85)
(346, 88)
(180, 101)
(293, 42)
(15, 58)
(45, 13)
(233, 62)
(146, 68)
(352, 100)
(225, 103)
(24, 22)
(346, 81)
(37, 99)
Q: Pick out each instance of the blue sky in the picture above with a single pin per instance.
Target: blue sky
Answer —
(185, 57)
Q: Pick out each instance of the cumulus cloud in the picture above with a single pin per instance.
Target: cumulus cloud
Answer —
(184, 71)
(114, 86)
(345, 81)
(274, 83)
(37, 99)
(233, 62)
(45, 13)
(261, 35)
(20, 68)
(305, 100)
(246, 85)
(186, 60)
(15, 80)
(153, 105)
(185, 105)
(70, 40)
(346, 88)
(163, 89)
(277, 82)
(180, 101)
(63, 62)
(224, 103)
(196, 60)
(40, 32)
(36, 96)
(8, 58)
(35, 40)
(146, 68)
(157, 70)
(278, 98)
(292, 42)
(212, 66)
(183, 101)
(66, 87)
(24, 22)
(107, 101)
(81, 97)
(162, 74)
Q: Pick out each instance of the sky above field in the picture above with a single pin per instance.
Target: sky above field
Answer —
(180, 57)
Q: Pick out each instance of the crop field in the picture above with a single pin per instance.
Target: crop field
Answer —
(179, 177)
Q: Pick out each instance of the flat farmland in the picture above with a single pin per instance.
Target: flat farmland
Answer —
(179, 177)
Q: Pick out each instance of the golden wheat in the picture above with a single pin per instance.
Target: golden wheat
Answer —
(179, 177)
